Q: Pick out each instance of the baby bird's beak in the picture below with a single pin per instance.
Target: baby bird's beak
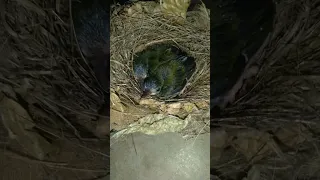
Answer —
(145, 94)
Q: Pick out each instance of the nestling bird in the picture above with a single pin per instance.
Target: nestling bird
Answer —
(163, 70)
(148, 60)
(91, 26)
(239, 28)
(169, 78)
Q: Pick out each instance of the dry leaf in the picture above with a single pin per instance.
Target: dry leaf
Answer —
(173, 108)
(190, 107)
(103, 127)
(19, 125)
(176, 8)
(150, 102)
(156, 124)
(218, 140)
(254, 145)
(257, 172)
(292, 136)
(116, 103)
(8, 90)
(202, 104)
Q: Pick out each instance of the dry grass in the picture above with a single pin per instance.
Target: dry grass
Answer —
(288, 80)
(284, 95)
(48, 71)
(41, 69)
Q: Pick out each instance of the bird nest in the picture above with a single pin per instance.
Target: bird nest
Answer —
(135, 27)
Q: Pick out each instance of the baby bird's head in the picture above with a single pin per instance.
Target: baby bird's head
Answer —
(150, 87)
(140, 72)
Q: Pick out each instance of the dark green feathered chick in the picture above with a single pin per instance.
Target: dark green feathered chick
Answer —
(170, 77)
(147, 61)
(163, 70)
